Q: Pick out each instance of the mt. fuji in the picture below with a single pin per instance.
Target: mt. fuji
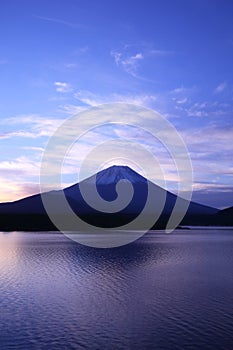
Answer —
(29, 213)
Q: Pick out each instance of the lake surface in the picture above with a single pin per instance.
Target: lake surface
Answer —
(161, 292)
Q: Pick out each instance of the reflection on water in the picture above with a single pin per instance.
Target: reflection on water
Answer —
(160, 292)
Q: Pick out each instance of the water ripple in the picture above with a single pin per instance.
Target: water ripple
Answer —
(161, 292)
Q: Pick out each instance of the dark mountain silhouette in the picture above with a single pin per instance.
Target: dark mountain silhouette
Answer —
(29, 213)
(223, 217)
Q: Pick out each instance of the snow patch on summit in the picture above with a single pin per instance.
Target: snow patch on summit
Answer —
(114, 174)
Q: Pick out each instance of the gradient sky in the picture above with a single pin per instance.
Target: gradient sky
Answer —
(59, 57)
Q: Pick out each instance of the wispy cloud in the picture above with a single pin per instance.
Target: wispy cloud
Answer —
(18, 133)
(12, 189)
(181, 91)
(89, 98)
(62, 87)
(3, 61)
(220, 88)
(128, 63)
(205, 158)
(71, 109)
(34, 126)
(182, 100)
(71, 65)
(207, 146)
(129, 57)
(21, 165)
(154, 52)
(214, 195)
(198, 109)
(181, 95)
(207, 109)
(199, 141)
(59, 21)
(92, 99)
(81, 50)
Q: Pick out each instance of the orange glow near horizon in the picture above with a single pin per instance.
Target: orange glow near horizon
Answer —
(11, 191)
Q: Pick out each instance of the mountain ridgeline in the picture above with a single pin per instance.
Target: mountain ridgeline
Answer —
(29, 214)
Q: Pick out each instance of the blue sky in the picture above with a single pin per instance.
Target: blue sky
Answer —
(60, 57)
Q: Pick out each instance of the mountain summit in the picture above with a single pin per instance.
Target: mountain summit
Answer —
(114, 174)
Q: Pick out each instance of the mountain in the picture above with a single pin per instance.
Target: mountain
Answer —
(29, 213)
(223, 217)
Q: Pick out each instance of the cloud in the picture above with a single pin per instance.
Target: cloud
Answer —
(34, 126)
(128, 63)
(32, 148)
(12, 190)
(209, 140)
(20, 166)
(130, 57)
(62, 87)
(198, 109)
(182, 91)
(207, 109)
(71, 65)
(71, 109)
(220, 88)
(89, 98)
(18, 133)
(92, 99)
(218, 196)
(154, 52)
(59, 21)
(81, 50)
(182, 101)
(211, 153)
(207, 145)
(19, 178)
(182, 95)
(77, 52)
(2, 61)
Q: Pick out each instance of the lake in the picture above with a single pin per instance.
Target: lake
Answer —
(164, 291)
